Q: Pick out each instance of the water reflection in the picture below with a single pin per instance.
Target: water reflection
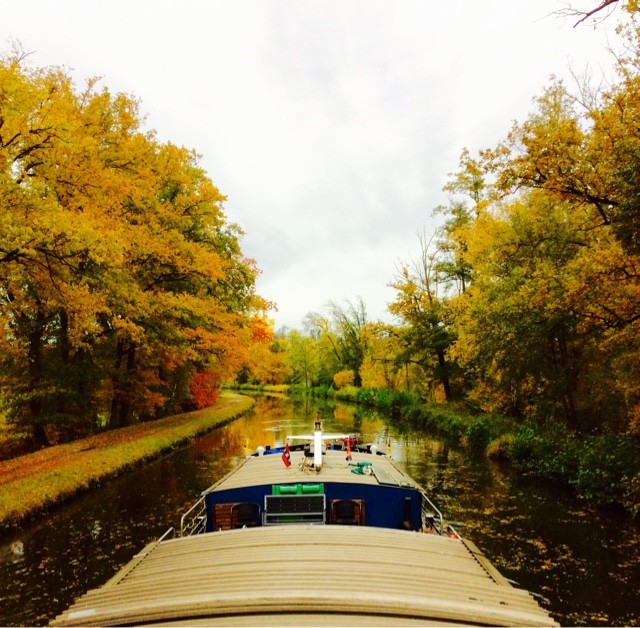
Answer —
(586, 563)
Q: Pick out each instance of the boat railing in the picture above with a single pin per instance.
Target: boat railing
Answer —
(170, 533)
(431, 513)
(194, 521)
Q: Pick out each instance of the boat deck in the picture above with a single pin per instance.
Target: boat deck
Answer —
(335, 468)
(322, 575)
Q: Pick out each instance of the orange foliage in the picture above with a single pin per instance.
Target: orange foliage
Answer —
(205, 388)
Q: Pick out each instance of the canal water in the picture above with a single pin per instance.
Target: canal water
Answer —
(584, 563)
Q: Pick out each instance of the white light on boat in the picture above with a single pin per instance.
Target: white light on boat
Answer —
(260, 450)
(317, 446)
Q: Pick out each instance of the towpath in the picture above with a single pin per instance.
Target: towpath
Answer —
(32, 483)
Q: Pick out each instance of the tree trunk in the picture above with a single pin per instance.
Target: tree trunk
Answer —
(569, 377)
(116, 379)
(36, 405)
(444, 376)
(121, 404)
(40, 439)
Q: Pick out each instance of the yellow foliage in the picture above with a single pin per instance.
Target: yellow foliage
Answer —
(112, 243)
(343, 378)
(372, 374)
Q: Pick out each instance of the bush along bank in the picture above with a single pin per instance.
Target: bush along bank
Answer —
(602, 468)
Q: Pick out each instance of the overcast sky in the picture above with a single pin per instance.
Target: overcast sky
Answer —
(330, 125)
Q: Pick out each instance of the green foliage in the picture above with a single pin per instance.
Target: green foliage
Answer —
(605, 466)
(601, 468)
(436, 418)
(366, 397)
(340, 340)
(321, 392)
(382, 399)
(428, 335)
(346, 393)
(481, 432)
(551, 454)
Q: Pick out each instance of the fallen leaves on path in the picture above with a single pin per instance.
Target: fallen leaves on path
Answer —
(36, 480)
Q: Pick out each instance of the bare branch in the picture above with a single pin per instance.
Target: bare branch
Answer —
(587, 15)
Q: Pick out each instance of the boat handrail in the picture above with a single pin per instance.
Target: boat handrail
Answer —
(194, 521)
(434, 509)
(170, 532)
(453, 532)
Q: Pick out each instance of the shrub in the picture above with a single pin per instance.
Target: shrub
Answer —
(447, 423)
(343, 378)
(388, 400)
(416, 415)
(321, 392)
(500, 448)
(606, 464)
(346, 393)
(525, 448)
(366, 396)
(480, 433)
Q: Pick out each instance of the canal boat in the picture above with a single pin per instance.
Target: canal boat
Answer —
(320, 532)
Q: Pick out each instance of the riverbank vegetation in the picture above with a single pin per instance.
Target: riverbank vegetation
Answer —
(602, 468)
(34, 482)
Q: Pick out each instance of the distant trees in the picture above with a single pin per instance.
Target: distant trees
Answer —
(120, 279)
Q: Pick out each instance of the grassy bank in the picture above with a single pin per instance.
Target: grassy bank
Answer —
(34, 482)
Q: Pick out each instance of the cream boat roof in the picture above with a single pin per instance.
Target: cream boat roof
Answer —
(270, 469)
(308, 575)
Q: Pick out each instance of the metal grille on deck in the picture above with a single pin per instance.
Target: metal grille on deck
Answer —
(281, 509)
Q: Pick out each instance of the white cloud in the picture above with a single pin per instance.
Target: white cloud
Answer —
(330, 125)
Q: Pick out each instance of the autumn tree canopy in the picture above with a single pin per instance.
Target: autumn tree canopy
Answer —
(120, 278)
(548, 325)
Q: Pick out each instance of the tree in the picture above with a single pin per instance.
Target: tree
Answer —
(383, 365)
(516, 333)
(428, 335)
(342, 345)
(550, 321)
(349, 323)
(120, 280)
(303, 359)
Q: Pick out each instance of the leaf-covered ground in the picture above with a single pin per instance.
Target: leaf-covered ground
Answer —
(33, 482)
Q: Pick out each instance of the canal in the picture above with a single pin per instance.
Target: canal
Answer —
(584, 563)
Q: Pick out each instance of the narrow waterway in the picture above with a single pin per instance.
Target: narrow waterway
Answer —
(583, 562)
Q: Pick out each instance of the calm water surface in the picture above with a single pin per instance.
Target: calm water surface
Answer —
(584, 563)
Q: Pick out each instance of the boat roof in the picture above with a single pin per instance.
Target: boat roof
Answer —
(319, 576)
(269, 469)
